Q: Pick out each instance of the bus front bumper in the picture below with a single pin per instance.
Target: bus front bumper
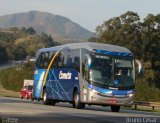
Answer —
(96, 98)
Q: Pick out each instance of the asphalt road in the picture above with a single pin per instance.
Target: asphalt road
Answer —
(14, 110)
(11, 64)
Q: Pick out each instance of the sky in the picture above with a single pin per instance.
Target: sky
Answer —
(87, 13)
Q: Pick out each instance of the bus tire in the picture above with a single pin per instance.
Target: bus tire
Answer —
(76, 101)
(115, 108)
(45, 100)
(52, 102)
(38, 99)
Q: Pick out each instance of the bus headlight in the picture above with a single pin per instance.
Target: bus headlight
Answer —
(94, 91)
(130, 95)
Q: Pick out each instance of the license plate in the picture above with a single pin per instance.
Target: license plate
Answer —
(112, 101)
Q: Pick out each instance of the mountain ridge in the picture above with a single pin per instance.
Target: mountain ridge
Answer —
(61, 28)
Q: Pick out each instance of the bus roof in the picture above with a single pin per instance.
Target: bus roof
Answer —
(89, 46)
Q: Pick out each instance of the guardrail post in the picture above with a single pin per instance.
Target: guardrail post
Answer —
(135, 106)
(149, 104)
(153, 108)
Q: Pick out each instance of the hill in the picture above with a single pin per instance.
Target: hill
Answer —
(17, 44)
(60, 28)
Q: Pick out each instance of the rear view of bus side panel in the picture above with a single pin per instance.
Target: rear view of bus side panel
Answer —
(39, 73)
(38, 82)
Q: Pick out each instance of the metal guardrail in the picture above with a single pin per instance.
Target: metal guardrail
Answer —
(149, 104)
(14, 63)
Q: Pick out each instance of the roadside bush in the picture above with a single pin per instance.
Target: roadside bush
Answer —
(144, 92)
(12, 78)
(146, 87)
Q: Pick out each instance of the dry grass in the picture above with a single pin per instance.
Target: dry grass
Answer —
(7, 93)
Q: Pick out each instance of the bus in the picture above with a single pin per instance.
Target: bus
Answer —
(85, 73)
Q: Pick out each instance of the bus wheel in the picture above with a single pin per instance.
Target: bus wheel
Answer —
(115, 108)
(38, 99)
(76, 101)
(52, 102)
(45, 100)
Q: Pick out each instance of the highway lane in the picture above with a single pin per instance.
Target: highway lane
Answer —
(4, 66)
(18, 110)
(11, 64)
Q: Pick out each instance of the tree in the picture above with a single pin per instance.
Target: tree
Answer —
(123, 31)
(17, 43)
(151, 39)
(142, 38)
(48, 40)
(19, 52)
(3, 54)
(31, 31)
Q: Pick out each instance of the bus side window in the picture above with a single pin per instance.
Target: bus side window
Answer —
(38, 61)
(86, 69)
(43, 60)
(58, 61)
(73, 59)
(77, 63)
(46, 59)
(55, 62)
(69, 62)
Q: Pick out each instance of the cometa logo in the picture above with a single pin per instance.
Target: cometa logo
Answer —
(64, 75)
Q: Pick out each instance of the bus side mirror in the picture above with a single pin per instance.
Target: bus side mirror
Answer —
(88, 60)
(139, 67)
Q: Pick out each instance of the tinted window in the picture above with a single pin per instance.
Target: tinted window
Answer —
(85, 63)
(73, 59)
(44, 59)
(67, 58)
(59, 60)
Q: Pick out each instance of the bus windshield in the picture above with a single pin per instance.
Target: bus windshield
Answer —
(111, 72)
(123, 73)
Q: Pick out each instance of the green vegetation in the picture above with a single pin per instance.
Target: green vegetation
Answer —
(145, 90)
(13, 78)
(16, 44)
(143, 39)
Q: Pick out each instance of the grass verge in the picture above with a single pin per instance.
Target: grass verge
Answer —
(7, 93)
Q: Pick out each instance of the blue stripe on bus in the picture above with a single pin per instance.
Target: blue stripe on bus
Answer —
(114, 92)
(113, 53)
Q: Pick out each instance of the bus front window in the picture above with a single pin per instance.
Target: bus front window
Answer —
(100, 71)
(111, 72)
(123, 73)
